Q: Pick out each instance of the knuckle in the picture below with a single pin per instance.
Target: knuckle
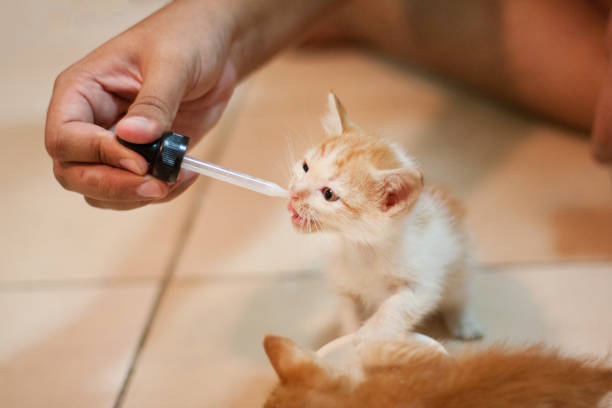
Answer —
(97, 149)
(152, 103)
(60, 175)
(56, 146)
(108, 188)
(62, 79)
(50, 141)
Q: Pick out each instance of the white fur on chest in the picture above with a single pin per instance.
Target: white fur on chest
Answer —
(417, 254)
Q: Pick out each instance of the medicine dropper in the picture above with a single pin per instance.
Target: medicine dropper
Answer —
(167, 156)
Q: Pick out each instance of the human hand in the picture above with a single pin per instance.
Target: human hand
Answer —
(169, 72)
(601, 140)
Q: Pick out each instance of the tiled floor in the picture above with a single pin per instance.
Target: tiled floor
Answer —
(167, 306)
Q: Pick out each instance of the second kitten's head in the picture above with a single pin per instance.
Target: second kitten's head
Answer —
(352, 182)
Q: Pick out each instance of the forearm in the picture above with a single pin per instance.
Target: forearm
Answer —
(261, 28)
(548, 55)
(248, 32)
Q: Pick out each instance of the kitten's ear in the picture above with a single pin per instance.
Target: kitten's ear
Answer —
(294, 365)
(399, 189)
(335, 121)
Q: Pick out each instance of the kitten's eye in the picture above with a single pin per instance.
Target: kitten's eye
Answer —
(329, 194)
(305, 167)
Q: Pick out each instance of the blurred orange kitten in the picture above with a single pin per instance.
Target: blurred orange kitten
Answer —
(404, 251)
(397, 374)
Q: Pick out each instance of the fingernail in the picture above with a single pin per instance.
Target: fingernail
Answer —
(149, 189)
(133, 166)
(138, 122)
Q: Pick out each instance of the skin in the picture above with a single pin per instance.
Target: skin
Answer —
(176, 70)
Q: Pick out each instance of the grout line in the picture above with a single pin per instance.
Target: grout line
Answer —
(278, 276)
(495, 267)
(161, 292)
(186, 229)
(305, 274)
(112, 282)
(76, 283)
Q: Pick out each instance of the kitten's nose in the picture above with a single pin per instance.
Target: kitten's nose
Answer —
(296, 195)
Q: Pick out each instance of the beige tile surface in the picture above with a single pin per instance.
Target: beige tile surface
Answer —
(66, 346)
(53, 234)
(40, 39)
(564, 305)
(77, 284)
(49, 233)
(205, 347)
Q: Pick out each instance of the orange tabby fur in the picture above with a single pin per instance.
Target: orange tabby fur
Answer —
(408, 376)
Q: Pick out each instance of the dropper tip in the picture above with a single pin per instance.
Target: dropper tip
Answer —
(278, 191)
(273, 190)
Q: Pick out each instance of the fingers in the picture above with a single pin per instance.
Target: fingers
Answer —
(101, 182)
(185, 180)
(73, 133)
(156, 104)
(115, 205)
(80, 142)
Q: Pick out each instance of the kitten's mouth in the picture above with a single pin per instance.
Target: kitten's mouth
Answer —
(296, 219)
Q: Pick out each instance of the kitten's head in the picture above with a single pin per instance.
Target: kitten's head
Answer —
(307, 380)
(352, 182)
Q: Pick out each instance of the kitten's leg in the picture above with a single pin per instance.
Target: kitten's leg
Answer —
(455, 308)
(350, 318)
(398, 314)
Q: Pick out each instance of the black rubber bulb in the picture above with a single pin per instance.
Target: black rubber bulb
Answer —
(165, 155)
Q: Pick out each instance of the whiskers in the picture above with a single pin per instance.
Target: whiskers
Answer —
(311, 222)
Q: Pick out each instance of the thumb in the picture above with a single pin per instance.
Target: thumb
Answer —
(154, 108)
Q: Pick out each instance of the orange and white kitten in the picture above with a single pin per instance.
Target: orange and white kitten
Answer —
(406, 374)
(404, 252)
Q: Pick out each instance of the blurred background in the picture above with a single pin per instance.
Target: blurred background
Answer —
(168, 305)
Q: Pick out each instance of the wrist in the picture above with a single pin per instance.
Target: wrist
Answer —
(262, 28)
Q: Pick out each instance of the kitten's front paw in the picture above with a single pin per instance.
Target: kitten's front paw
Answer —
(376, 334)
(463, 326)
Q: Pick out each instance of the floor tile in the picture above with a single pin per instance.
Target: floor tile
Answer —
(54, 234)
(69, 346)
(205, 346)
(565, 305)
(40, 39)
(546, 200)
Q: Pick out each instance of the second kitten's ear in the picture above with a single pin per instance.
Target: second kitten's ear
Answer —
(335, 121)
(399, 189)
(294, 365)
